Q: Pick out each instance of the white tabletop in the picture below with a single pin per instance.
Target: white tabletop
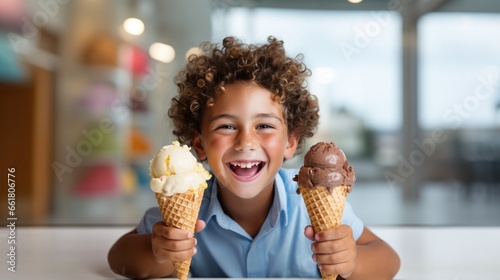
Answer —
(440, 253)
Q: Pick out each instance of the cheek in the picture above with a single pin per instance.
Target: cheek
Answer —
(274, 142)
(218, 143)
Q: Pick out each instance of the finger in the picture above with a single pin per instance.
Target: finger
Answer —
(335, 233)
(200, 225)
(172, 249)
(182, 255)
(330, 247)
(172, 233)
(309, 232)
(179, 245)
(332, 259)
(163, 254)
(160, 229)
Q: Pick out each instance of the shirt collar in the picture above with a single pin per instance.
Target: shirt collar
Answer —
(278, 207)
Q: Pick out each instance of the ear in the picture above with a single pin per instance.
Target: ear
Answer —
(198, 147)
(291, 146)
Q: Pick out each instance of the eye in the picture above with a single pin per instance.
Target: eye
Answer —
(264, 126)
(226, 126)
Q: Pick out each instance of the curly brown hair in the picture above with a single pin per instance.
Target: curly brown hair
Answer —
(267, 65)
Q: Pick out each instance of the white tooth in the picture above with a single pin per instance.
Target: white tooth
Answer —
(245, 165)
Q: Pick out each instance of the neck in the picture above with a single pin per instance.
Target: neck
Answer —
(251, 213)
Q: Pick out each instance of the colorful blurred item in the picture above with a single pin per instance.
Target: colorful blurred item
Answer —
(129, 181)
(101, 50)
(139, 143)
(138, 61)
(109, 143)
(138, 100)
(142, 175)
(11, 14)
(139, 146)
(98, 180)
(97, 99)
(10, 67)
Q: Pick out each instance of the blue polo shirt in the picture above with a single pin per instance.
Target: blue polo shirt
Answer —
(279, 250)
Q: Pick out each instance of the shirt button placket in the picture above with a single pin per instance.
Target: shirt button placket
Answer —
(255, 267)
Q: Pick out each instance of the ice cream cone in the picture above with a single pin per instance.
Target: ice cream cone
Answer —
(180, 210)
(324, 181)
(325, 209)
(178, 181)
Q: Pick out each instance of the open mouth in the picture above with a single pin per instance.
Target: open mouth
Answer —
(246, 169)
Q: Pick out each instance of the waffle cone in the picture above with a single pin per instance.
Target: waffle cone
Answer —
(181, 211)
(325, 209)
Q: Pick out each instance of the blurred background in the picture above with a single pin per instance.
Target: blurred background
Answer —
(408, 89)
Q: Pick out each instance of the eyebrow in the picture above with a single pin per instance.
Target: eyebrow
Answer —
(258, 116)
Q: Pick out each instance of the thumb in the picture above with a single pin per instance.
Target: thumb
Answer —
(309, 233)
(200, 225)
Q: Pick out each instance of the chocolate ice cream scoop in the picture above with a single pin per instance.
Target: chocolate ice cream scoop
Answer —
(325, 164)
(325, 155)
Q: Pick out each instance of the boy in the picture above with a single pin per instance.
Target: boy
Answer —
(245, 109)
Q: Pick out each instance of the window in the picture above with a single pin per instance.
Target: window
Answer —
(459, 70)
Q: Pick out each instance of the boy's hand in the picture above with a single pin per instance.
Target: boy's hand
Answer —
(334, 250)
(173, 244)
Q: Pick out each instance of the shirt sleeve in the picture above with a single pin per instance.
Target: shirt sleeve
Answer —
(349, 218)
(151, 217)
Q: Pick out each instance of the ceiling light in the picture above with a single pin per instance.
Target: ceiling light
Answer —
(162, 52)
(133, 26)
(355, 1)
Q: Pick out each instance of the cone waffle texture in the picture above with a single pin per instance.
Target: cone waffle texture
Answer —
(181, 211)
(325, 209)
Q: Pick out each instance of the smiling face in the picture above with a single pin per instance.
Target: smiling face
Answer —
(244, 138)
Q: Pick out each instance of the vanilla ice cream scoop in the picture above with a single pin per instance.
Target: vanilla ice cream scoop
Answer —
(175, 170)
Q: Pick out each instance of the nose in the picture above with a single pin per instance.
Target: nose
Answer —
(246, 141)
